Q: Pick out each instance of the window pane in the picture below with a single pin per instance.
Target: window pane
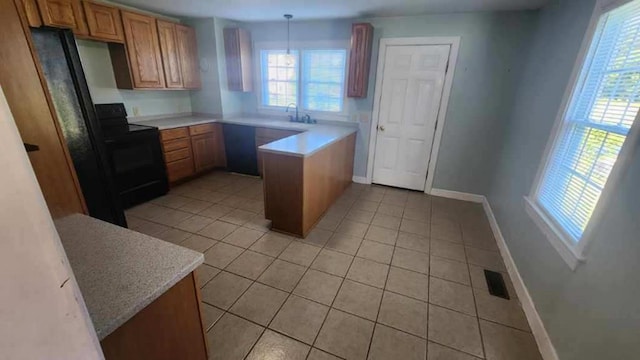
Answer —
(601, 112)
(323, 76)
(279, 77)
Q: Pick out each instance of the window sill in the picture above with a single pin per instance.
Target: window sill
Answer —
(564, 246)
(277, 111)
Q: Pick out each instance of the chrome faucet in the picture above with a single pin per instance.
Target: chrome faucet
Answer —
(306, 118)
(291, 118)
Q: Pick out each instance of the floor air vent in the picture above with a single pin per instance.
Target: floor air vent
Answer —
(496, 284)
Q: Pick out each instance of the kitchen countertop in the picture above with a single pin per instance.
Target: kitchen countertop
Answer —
(120, 271)
(313, 138)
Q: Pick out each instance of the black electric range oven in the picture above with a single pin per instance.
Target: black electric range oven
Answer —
(135, 155)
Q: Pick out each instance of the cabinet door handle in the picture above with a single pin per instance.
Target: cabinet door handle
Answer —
(31, 147)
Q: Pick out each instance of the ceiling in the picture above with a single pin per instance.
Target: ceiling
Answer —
(265, 10)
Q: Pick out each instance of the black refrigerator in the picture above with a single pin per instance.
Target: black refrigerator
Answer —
(60, 63)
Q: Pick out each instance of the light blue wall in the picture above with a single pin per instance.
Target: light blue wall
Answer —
(594, 312)
(232, 101)
(98, 70)
(207, 100)
(490, 54)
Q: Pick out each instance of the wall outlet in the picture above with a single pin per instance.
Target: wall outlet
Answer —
(136, 111)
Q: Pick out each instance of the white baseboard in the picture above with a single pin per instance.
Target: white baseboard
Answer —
(457, 195)
(360, 180)
(547, 350)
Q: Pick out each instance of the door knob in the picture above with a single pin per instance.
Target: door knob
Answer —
(381, 127)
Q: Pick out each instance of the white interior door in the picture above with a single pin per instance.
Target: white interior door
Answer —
(412, 84)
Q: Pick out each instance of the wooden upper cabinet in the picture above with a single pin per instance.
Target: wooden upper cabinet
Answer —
(188, 55)
(65, 14)
(104, 22)
(170, 55)
(31, 11)
(143, 50)
(360, 59)
(237, 47)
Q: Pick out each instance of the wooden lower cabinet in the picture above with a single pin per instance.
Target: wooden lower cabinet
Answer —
(208, 151)
(180, 169)
(298, 190)
(168, 328)
(266, 136)
(189, 151)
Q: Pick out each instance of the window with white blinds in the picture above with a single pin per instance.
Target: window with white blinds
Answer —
(279, 77)
(311, 79)
(601, 111)
(323, 74)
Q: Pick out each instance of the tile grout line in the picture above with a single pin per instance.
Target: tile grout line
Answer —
(315, 339)
(475, 302)
(322, 247)
(382, 297)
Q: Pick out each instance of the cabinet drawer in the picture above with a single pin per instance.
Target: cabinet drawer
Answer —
(274, 133)
(180, 169)
(177, 155)
(175, 145)
(176, 133)
(202, 129)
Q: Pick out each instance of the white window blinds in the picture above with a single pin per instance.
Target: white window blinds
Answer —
(313, 80)
(601, 111)
(279, 77)
(323, 74)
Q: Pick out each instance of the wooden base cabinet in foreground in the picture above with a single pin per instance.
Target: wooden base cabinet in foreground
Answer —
(168, 328)
(298, 190)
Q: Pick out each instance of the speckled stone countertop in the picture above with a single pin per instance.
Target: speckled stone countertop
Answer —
(120, 271)
(314, 137)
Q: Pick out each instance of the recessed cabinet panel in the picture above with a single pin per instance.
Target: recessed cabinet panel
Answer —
(359, 59)
(203, 151)
(170, 55)
(237, 47)
(143, 50)
(104, 22)
(188, 53)
(65, 14)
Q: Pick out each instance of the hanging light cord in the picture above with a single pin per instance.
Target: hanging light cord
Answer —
(288, 17)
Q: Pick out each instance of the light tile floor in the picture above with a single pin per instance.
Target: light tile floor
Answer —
(386, 274)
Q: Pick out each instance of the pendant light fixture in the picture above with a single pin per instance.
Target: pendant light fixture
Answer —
(289, 56)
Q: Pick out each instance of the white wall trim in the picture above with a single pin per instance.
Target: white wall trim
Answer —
(454, 41)
(360, 180)
(553, 233)
(457, 195)
(547, 350)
